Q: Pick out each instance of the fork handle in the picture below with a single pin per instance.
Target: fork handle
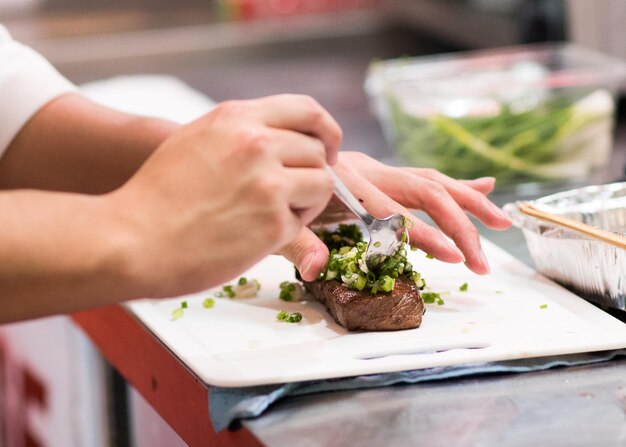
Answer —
(343, 193)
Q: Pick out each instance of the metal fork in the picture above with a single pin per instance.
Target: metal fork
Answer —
(385, 234)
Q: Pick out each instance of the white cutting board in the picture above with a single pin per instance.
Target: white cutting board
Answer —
(239, 342)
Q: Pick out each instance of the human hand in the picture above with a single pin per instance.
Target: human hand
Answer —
(228, 189)
(385, 190)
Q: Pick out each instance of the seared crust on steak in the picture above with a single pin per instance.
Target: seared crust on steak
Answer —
(402, 308)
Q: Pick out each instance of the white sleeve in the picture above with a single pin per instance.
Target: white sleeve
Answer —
(27, 83)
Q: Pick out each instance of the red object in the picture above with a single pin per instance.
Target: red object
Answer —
(264, 9)
(173, 391)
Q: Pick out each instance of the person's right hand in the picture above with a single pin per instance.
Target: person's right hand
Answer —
(227, 190)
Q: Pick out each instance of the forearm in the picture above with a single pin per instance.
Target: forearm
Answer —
(62, 252)
(73, 144)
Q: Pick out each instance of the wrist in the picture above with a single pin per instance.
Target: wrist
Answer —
(123, 257)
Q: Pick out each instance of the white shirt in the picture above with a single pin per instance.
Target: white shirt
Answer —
(27, 83)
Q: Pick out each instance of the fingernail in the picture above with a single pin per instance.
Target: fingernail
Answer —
(307, 262)
(456, 250)
(483, 260)
(499, 211)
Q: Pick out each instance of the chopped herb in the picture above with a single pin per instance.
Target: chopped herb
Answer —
(429, 256)
(286, 317)
(463, 287)
(499, 292)
(377, 244)
(291, 291)
(245, 288)
(208, 303)
(543, 306)
(407, 223)
(177, 313)
(432, 297)
(184, 305)
(347, 264)
(295, 317)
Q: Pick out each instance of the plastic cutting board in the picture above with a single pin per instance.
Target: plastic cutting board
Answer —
(511, 314)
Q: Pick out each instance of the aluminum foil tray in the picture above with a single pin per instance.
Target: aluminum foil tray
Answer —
(592, 269)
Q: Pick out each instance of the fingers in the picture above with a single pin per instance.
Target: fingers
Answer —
(298, 150)
(308, 253)
(468, 196)
(302, 114)
(453, 221)
(434, 198)
(483, 185)
(421, 234)
(309, 191)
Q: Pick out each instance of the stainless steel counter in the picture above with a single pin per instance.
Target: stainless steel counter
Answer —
(583, 406)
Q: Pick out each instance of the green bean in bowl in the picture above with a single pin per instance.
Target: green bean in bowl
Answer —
(511, 114)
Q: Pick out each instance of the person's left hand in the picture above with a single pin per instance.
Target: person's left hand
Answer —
(384, 190)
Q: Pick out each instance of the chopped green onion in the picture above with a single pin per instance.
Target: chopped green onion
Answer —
(177, 313)
(295, 317)
(347, 262)
(543, 306)
(184, 305)
(377, 244)
(386, 283)
(208, 303)
(463, 287)
(291, 291)
(432, 297)
(429, 256)
(286, 317)
(245, 288)
(499, 292)
(360, 283)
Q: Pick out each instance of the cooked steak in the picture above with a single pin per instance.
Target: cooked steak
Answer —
(402, 308)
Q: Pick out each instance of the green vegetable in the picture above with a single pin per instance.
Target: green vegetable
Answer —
(555, 139)
(184, 305)
(287, 317)
(295, 317)
(177, 313)
(208, 303)
(344, 235)
(432, 297)
(463, 287)
(291, 291)
(346, 263)
(543, 306)
(429, 256)
(243, 289)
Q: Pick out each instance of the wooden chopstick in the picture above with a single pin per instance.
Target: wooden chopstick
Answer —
(587, 230)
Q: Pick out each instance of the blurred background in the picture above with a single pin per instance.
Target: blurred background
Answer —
(57, 390)
(249, 48)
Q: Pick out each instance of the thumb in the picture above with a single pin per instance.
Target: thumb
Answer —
(308, 253)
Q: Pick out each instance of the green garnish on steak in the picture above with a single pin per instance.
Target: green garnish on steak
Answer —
(346, 262)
